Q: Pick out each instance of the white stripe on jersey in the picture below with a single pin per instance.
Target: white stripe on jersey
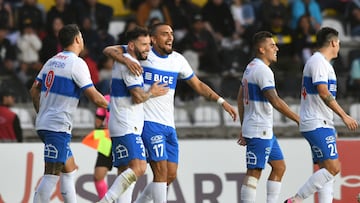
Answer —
(314, 113)
(62, 79)
(125, 116)
(258, 112)
(166, 69)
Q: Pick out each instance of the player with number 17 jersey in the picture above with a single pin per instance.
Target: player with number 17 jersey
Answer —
(62, 78)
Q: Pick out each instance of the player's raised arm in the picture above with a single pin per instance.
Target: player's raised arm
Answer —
(116, 53)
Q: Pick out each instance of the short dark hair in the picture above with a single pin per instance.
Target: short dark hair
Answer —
(325, 35)
(260, 37)
(135, 33)
(153, 28)
(67, 34)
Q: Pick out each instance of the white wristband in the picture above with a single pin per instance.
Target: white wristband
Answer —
(220, 100)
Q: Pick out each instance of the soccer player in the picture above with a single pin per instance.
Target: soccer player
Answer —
(159, 134)
(256, 99)
(127, 117)
(55, 95)
(103, 163)
(316, 117)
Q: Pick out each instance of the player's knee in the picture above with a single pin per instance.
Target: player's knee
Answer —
(171, 178)
(334, 169)
(140, 169)
(250, 181)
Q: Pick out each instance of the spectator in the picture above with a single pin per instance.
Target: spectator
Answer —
(222, 24)
(99, 14)
(181, 12)
(10, 127)
(7, 53)
(29, 45)
(152, 9)
(105, 70)
(91, 39)
(353, 17)
(93, 69)
(51, 45)
(354, 81)
(304, 39)
(60, 9)
(29, 13)
(129, 25)
(6, 15)
(243, 14)
(200, 40)
(269, 8)
(309, 7)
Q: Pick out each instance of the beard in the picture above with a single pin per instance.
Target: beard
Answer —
(139, 55)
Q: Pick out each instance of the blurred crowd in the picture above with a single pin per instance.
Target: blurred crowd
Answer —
(215, 37)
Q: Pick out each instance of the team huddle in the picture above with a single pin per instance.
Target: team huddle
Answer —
(141, 115)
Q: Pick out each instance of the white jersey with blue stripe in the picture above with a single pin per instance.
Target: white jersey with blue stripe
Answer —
(258, 111)
(314, 113)
(62, 79)
(166, 69)
(126, 117)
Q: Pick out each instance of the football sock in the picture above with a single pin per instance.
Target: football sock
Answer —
(67, 186)
(120, 185)
(159, 192)
(146, 195)
(326, 193)
(273, 189)
(101, 187)
(126, 197)
(46, 188)
(315, 183)
(248, 190)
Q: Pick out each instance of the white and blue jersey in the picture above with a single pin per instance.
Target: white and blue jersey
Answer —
(258, 111)
(126, 117)
(62, 78)
(314, 113)
(166, 69)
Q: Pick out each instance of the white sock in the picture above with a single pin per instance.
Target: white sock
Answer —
(120, 185)
(160, 192)
(315, 183)
(146, 195)
(248, 189)
(154, 192)
(67, 186)
(326, 193)
(46, 188)
(127, 195)
(273, 189)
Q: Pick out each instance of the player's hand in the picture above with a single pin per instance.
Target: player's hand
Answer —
(159, 89)
(232, 112)
(350, 123)
(134, 67)
(241, 141)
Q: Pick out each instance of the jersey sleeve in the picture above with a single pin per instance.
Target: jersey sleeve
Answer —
(186, 71)
(81, 74)
(131, 80)
(319, 73)
(265, 79)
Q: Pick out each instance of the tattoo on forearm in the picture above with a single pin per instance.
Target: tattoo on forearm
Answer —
(328, 99)
(209, 96)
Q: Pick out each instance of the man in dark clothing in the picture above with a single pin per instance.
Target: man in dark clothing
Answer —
(10, 129)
